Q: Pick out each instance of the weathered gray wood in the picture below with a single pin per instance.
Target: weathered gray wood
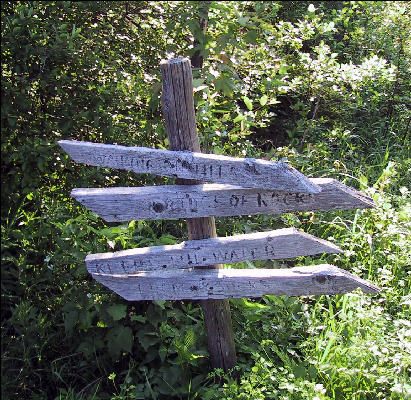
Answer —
(189, 201)
(178, 110)
(234, 283)
(245, 172)
(278, 244)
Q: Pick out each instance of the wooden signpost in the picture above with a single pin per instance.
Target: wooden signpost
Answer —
(193, 269)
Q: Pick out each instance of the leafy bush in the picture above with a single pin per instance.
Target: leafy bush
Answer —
(323, 86)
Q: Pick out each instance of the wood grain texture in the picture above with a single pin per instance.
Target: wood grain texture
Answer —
(190, 201)
(178, 111)
(234, 283)
(274, 245)
(245, 172)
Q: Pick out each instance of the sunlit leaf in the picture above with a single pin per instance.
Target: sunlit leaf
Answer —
(238, 118)
(263, 100)
(248, 103)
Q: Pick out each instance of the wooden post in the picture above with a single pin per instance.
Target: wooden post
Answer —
(178, 110)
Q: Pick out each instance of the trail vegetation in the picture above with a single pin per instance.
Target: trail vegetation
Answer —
(322, 85)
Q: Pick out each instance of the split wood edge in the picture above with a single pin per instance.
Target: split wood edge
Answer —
(245, 172)
(279, 244)
(219, 200)
(198, 284)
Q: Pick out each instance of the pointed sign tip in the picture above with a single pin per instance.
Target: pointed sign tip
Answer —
(352, 280)
(302, 183)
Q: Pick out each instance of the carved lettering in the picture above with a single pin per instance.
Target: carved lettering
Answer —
(302, 198)
(189, 165)
(234, 200)
(212, 251)
(220, 255)
(260, 200)
(186, 165)
(249, 166)
(269, 250)
(122, 264)
(99, 268)
(168, 162)
(276, 196)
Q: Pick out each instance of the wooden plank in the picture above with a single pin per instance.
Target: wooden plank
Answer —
(191, 201)
(234, 283)
(245, 172)
(278, 244)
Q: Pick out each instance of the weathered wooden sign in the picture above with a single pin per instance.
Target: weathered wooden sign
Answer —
(278, 244)
(233, 283)
(245, 172)
(193, 269)
(192, 201)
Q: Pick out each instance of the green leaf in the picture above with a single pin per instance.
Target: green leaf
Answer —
(363, 181)
(197, 82)
(299, 371)
(119, 339)
(251, 37)
(238, 118)
(117, 311)
(162, 352)
(282, 70)
(243, 21)
(148, 339)
(131, 227)
(11, 121)
(167, 239)
(225, 85)
(189, 339)
(70, 319)
(248, 103)
(138, 318)
(263, 100)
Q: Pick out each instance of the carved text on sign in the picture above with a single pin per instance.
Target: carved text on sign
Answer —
(278, 244)
(246, 172)
(233, 283)
(190, 201)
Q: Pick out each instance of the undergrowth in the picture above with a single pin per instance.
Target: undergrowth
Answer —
(323, 86)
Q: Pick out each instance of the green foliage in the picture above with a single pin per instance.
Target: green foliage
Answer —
(323, 86)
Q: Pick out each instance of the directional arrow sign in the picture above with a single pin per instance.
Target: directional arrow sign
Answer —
(278, 244)
(233, 283)
(245, 172)
(191, 201)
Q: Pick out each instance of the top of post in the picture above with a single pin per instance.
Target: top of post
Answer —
(175, 61)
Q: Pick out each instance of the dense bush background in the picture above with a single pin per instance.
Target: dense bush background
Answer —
(324, 86)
